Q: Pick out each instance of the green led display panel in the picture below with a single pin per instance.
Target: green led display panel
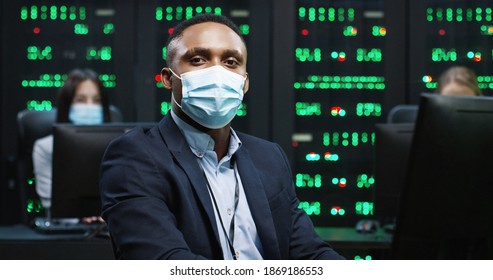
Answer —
(449, 33)
(169, 13)
(339, 90)
(53, 37)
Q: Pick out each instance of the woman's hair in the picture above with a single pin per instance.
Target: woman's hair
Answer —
(461, 75)
(67, 92)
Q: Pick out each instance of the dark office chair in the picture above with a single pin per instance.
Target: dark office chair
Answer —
(404, 113)
(116, 114)
(31, 126)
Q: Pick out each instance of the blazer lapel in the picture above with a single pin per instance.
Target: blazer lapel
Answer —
(178, 146)
(258, 203)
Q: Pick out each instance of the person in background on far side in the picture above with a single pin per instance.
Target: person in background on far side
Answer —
(192, 187)
(459, 80)
(82, 101)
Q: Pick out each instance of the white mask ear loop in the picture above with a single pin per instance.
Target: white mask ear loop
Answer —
(172, 94)
(174, 73)
(174, 100)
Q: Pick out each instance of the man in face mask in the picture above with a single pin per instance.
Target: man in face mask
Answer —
(194, 188)
(211, 58)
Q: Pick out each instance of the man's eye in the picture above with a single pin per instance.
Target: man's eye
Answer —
(231, 62)
(196, 60)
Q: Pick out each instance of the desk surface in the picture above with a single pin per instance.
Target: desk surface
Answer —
(21, 242)
(350, 238)
(25, 233)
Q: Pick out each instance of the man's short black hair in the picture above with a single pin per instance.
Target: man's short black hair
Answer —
(201, 18)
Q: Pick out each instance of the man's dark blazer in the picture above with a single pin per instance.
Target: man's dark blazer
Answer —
(157, 206)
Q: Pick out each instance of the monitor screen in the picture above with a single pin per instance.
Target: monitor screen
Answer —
(77, 154)
(445, 209)
(392, 146)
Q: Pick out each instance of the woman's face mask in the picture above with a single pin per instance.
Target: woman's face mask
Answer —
(211, 96)
(88, 114)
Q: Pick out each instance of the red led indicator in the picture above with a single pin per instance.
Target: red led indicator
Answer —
(477, 58)
(441, 32)
(295, 144)
(336, 110)
(157, 77)
(342, 184)
(341, 58)
(170, 30)
(304, 32)
(36, 30)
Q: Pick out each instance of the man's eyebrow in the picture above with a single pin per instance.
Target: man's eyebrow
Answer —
(207, 52)
(196, 51)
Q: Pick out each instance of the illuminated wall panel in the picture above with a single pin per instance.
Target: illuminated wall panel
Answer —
(447, 33)
(339, 89)
(55, 37)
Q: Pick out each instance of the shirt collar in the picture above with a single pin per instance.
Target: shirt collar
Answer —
(201, 142)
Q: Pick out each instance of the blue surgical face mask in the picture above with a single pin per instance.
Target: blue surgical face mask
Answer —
(211, 96)
(88, 114)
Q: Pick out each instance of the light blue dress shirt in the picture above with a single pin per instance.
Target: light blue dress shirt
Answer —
(222, 178)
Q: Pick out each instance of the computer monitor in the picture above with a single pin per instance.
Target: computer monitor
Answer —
(446, 206)
(392, 146)
(77, 154)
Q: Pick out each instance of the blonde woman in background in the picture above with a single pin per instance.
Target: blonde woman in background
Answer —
(459, 80)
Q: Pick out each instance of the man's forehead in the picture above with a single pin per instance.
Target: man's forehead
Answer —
(206, 35)
(211, 33)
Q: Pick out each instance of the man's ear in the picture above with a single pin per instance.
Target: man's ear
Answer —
(247, 83)
(166, 78)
